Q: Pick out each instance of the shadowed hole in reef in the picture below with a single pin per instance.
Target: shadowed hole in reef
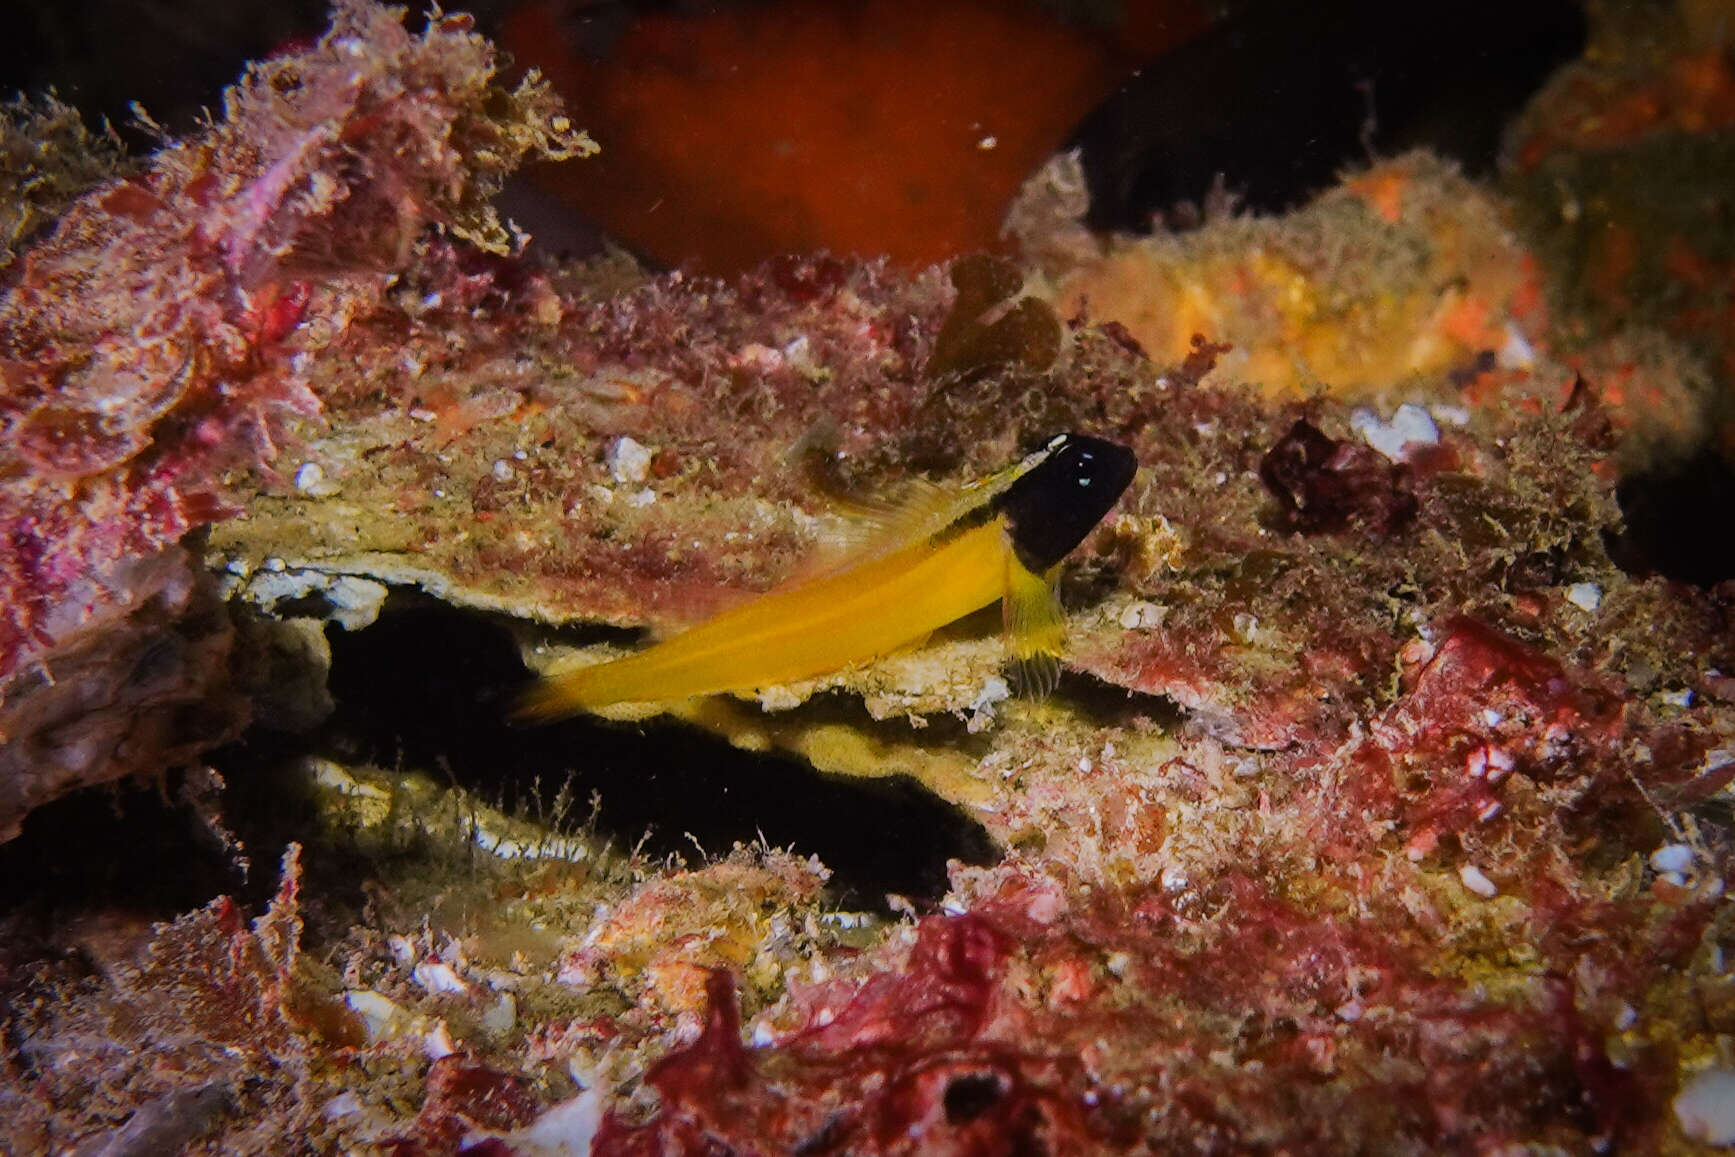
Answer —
(432, 686)
(120, 849)
(1673, 513)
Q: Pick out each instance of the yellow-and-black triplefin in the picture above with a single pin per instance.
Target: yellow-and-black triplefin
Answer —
(944, 554)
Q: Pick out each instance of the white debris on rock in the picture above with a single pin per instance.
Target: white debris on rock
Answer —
(381, 1018)
(1410, 426)
(994, 690)
(1705, 1107)
(565, 1130)
(1672, 858)
(438, 976)
(1584, 596)
(353, 602)
(1143, 616)
(629, 461)
(1478, 883)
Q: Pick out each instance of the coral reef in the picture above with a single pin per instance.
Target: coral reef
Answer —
(1377, 808)
(152, 345)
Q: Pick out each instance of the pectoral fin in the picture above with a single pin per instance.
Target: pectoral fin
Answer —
(1035, 627)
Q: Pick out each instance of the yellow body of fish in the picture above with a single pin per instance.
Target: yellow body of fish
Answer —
(947, 562)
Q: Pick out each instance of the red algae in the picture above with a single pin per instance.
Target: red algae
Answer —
(155, 345)
(1378, 810)
(906, 1062)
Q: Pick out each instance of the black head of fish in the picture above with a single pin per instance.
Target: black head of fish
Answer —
(1055, 504)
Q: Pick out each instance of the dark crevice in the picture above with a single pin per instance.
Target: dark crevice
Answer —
(1108, 705)
(431, 686)
(1676, 518)
(122, 848)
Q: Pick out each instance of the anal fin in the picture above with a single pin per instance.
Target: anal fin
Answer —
(1035, 627)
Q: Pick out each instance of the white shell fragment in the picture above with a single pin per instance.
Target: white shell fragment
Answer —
(381, 1018)
(629, 461)
(1478, 883)
(1672, 858)
(353, 602)
(1411, 425)
(1705, 1107)
(1584, 596)
(438, 976)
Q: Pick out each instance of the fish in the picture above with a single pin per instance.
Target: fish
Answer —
(941, 554)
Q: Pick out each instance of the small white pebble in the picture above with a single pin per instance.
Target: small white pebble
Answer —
(1705, 1107)
(1584, 596)
(1488, 811)
(437, 1042)
(1474, 880)
(1627, 1017)
(1086, 764)
(987, 143)
(1500, 763)
(274, 565)
(629, 461)
(1118, 963)
(1491, 717)
(437, 976)
(403, 951)
(420, 415)
(1411, 425)
(1451, 415)
(1682, 698)
(502, 470)
(1350, 1011)
(642, 497)
(381, 1019)
(308, 475)
(1672, 858)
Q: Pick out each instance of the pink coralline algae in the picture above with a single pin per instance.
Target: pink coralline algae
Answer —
(153, 346)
